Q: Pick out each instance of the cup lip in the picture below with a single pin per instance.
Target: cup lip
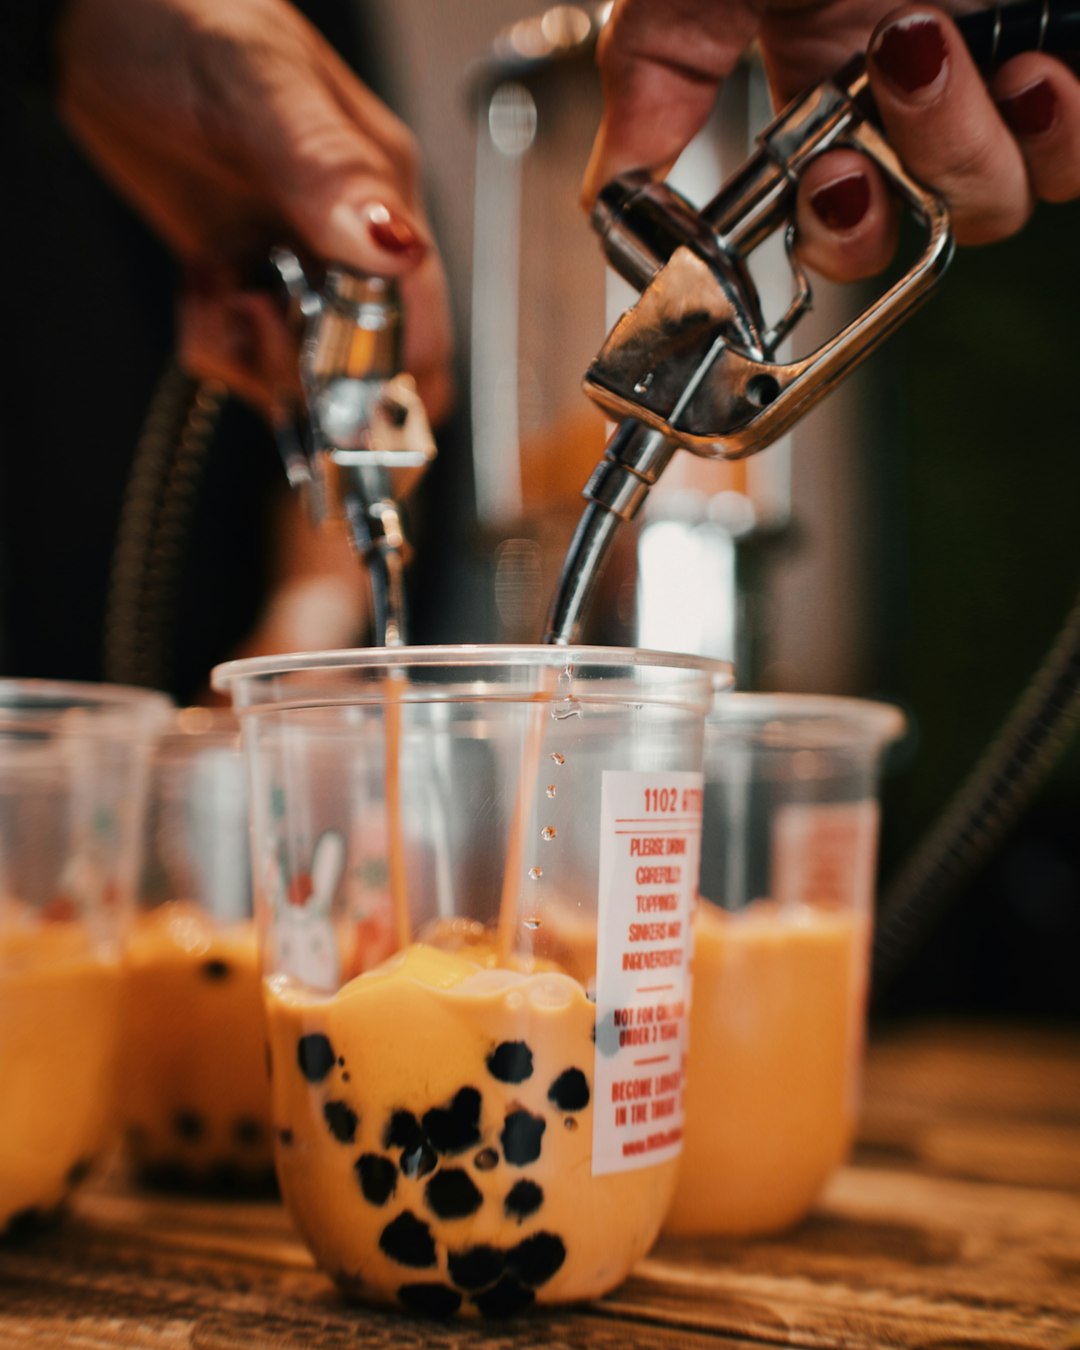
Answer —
(846, 719)
(225, 677)
(47, 701)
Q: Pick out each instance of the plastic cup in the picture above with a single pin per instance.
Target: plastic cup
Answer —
(780, 956)
(72, 778)
(488, 1117)
(194, 1096)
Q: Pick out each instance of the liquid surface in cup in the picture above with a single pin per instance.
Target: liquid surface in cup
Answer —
(59, 1007)
(434, 1130)
(776, 1038)
(194, 1095)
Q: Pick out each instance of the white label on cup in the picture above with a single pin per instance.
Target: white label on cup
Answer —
(824, 854)
(650, 843)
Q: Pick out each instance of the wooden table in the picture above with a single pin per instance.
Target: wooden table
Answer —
(956, 1227)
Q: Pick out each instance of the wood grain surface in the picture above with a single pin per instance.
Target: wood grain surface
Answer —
(956, 1226)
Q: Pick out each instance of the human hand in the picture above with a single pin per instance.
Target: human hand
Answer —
(234, 126)
(991, 150)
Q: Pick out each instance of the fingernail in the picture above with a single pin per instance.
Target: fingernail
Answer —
(392, 233)
(841, 205)
(910, 53)
(1032, 110)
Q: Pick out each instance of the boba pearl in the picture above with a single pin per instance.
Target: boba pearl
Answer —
(570, 1091)
(521, 1136)
(377, 1176)
(315, 1056)
(510, 1062)
(408, 1241)
(341, 1120)
(523, 1198)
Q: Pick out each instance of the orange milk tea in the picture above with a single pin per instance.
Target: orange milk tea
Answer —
(776, 1038)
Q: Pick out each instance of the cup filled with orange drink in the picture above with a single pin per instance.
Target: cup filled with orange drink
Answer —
(781, 951)
(475, 869)
(73, 763)
(194, 1092)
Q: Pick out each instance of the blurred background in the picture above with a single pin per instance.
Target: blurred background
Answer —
(915, 539)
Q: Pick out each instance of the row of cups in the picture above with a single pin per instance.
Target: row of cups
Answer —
(459, 1027)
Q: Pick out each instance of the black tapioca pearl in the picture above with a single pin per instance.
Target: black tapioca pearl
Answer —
(505, 1299)
(486, 1160)
(189, 1125)
(455, 1127)
(510, 1062)
(341, 1121)
(536, 1258)
(408, 1241)
(570, 1091)
(285, 1137)
(403, 1131)
(377, 1176)
(78, 1172)
(522, 1199)
(315, 1055)
(216, 969)
(475, 1267)
(452, 1194)
(248, 1132)
(521, 1136)
(430, 1300)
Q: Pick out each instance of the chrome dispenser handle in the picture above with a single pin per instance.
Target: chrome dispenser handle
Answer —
(357, 438)
(693, 358)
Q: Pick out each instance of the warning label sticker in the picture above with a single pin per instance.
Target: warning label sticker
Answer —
(650, 843)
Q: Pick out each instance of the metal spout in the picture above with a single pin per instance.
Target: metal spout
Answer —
(360, 440)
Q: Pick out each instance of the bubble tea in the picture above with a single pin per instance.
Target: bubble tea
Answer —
(194, 1094)
(466, 1125)
(781, 951)
(72, 776)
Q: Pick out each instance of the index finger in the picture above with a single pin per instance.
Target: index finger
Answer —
(661, 63)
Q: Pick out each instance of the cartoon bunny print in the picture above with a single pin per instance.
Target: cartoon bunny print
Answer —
(301, 934)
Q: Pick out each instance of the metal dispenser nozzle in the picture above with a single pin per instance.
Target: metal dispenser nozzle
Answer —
(358, 439)
(694, 363)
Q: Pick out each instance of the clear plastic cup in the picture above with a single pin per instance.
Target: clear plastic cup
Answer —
(781, 951)
(72, 778)
(476, 1054)
(194, 1096)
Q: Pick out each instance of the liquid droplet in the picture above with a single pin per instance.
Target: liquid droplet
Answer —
(557, 757)
(548, 832)
(535, 873)
(551, 789)
(532, 922)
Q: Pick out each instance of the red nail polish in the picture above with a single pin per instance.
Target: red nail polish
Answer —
(1032, 110)
(910, 53)
(392, 233)
(842, 204)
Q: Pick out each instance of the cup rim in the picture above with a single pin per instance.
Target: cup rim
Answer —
(229, 674)
(28, 702)
(771, 715)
